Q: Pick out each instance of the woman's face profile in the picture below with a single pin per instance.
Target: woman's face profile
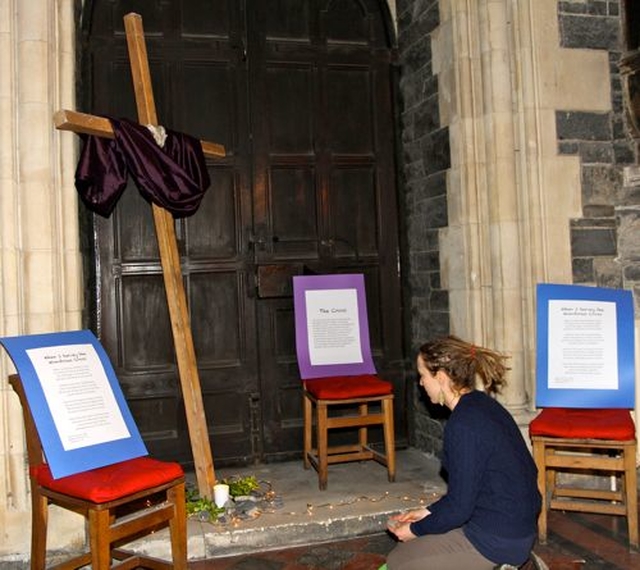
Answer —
(428, 381)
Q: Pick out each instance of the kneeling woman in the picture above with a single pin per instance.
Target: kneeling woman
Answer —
(488, 515)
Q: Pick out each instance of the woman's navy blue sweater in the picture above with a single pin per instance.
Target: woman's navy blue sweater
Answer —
(492, 490)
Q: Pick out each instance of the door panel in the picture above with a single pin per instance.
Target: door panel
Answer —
(289, 93)
(203, 88)
(353, 212)
(298, 91)
(347, 88)
(217, 213)
(294, 213)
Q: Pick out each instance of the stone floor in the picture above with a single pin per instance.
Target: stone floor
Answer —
(343, 528)
(364, 553)
(357, 502)
(576, 541)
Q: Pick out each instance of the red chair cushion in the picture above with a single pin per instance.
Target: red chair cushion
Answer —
(348, 387)
(111, 482)
(578, 423)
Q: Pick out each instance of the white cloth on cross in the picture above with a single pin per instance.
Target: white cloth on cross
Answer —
(159, 134)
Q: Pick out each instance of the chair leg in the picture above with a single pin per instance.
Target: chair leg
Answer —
(363, 436)
(550, 482)
(539, 458)
(39, 518)
(308, 429)
(99, 539)
(323, 446)
(389, 439)
(631, 491)
(178, 527)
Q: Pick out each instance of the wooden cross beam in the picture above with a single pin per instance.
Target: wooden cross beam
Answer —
(169, 256)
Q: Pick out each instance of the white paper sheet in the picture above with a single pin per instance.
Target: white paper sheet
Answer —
(583, 345)
(333, 326)
(79, 395)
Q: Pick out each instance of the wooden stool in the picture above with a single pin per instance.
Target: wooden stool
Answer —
(587, 441)
(358, 391)
(120, 502)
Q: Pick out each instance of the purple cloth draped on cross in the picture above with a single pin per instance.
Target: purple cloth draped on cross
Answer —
(174, 177)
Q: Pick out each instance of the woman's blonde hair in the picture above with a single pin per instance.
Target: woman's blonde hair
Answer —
(465, 363)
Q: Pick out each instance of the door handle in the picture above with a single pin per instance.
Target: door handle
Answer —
(256, 243)
(259, 243)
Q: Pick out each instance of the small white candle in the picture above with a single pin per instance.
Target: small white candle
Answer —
(220, 494)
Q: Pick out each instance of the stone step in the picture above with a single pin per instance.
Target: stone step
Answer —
(357, 502)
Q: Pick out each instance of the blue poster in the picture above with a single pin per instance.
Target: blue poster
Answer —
(77, 404)
(585, 347)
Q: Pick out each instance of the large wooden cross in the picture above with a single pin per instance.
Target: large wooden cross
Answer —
(167, 245)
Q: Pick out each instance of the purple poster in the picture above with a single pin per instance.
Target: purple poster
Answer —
(332, 329)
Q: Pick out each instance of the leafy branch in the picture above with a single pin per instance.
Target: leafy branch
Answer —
(206, 508)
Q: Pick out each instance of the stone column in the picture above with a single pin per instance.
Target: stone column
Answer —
(502, 249)
(502, 75)
(482, 247)
(40, 263)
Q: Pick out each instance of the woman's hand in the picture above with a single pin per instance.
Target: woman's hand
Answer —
(400, 525)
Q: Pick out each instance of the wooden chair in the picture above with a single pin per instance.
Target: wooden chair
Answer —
(360, 392)
(120, 502)
(586, 441)
(339, 385)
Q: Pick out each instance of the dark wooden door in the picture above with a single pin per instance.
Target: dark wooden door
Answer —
(299, 92)
(323, 180)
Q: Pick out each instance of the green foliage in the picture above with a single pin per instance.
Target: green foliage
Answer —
(239, 486)
(206, 508)
(202, 507)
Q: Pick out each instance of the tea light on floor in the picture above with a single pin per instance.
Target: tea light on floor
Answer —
(220, 494)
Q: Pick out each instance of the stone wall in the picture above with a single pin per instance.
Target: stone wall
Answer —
(604, 239)
(602, 142)
(425, 159)
(40, 260)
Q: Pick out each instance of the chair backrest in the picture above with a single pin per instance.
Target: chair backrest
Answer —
(75, 404)
(34, 446)
(585, 347)
(332, 328)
